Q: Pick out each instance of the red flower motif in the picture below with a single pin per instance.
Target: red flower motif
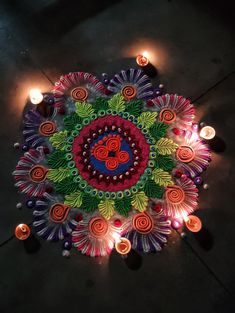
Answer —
(108, 150)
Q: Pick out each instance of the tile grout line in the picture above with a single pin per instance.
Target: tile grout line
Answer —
(213, 274)
(213, 86)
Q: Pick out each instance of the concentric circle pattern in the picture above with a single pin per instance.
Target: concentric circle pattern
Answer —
(111, 153)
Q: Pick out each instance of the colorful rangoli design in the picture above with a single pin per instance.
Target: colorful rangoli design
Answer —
(110, 162)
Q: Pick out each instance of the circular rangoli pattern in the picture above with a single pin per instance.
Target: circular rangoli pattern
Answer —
(102, 171)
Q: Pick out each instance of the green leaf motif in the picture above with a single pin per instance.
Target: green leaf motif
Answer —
(158, 130)
(147, 119)
(152, 190)
(58, 174)
(59, 140)
(100, 104)
(123, 206)
(161, 177)
(89, 204)
(106, 208)
(134, 107)
(164, 162)
(166, 146)
(139, 201)
(117, 103)
(71, 121)
(66, 186)
(84, 109)
(74, 200)
(57, 159)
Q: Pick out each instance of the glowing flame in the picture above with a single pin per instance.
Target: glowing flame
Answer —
(35, 96)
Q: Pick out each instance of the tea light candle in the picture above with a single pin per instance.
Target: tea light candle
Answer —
(193, 223)
(142, 59)
(207, 132)
(123, 246)
(35, 96)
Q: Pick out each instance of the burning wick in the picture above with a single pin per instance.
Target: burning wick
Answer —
(123, 246)
(36, 96)
(22, 231)
(207, 132)
(142, 59)
(193, 223)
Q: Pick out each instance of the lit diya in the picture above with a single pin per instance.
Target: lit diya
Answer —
(193, 223)
(22, 231)
(142, 60)
(123, 246)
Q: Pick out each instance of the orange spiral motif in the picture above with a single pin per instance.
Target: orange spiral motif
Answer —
(98, 227)
(129, 92)
(111, 163)
(79, 94)
(123, 246)
(142, 223)
(185, 154)
(113, 144)
(22, 231)
(167, 116)
(38, 173)
(175, 194)
(47, 128)
(123, 157)
(58, 212)
(100, 153)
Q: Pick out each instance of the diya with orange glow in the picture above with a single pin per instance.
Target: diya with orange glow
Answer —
(22, 231)
(193, 223)
(142, 60)
(123, 246)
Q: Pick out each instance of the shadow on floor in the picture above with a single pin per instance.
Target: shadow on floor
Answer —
(32, 244)
(204, 239)
(217, 144)
(133, 260)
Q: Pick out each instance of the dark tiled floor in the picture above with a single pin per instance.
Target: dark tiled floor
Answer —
(192, 46)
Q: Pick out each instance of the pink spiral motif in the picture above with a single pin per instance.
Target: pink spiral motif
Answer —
(185, 154)
(142, 223)
(79, 94)
(175, 195)
(98, 227)
(58, 212)
(129, 92)
(167, 116)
